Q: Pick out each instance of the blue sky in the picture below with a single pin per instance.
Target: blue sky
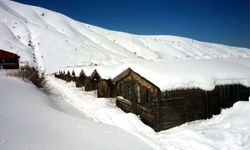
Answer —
(219, 21)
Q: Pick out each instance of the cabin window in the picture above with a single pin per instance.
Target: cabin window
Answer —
(138, 91)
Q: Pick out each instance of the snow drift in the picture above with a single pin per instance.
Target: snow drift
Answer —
(31, 120)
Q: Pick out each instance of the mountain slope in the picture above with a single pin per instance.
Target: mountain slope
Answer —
(51, 41)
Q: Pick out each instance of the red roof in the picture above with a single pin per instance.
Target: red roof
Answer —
(6, 54)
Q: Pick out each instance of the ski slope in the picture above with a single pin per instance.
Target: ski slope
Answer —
(52, 41)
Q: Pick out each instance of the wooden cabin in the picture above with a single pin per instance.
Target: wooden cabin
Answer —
(73, 76)
(58, 74)
(91, 82)
(67, 77)
(104, 87)
(165, 109)
(8, 60)
(224, 96)
(80, 80)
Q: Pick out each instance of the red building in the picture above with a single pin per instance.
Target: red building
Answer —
(8, 60)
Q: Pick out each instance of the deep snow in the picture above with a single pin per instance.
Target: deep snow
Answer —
(29, 119)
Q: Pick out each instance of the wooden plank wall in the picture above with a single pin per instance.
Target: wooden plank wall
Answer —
(180, 106)
(88, 85)
(125, 105)
(128, 88)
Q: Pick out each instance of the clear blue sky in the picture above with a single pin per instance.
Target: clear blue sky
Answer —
(219, 21)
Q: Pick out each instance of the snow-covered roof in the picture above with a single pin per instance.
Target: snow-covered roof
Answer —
(111, 71)
(105, 72)
(182, 74)
(204, 74)
(88, 70)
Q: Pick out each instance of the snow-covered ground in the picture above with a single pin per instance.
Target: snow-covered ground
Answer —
(230, 130)
(29, 119)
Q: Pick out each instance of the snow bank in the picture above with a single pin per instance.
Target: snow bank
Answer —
(228, 131)
(102, 110)
(31, 120)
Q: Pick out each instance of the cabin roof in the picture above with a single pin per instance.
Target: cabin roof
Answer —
(93, 74)
(5, 54)
(203, 74)
(105, 72)
(88, 70)
(109, 72)
(183, 74)
(83, 73)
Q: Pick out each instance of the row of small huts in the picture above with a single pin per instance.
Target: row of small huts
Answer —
(145, 93)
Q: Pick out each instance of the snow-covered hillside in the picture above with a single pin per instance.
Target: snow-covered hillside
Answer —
(53, 41)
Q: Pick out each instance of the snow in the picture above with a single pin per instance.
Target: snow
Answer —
(52, 42)
(202, 73)
(181, 74)
(56, 38)
(230, 130)
(32, 120)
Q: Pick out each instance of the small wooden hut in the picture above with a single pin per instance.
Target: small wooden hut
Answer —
(8, 60)
(67, 76)
(165, 109)
(104, 86)
(60, 74)
(224, 96)
(73, 76)
(91, 82)
(80, 80)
